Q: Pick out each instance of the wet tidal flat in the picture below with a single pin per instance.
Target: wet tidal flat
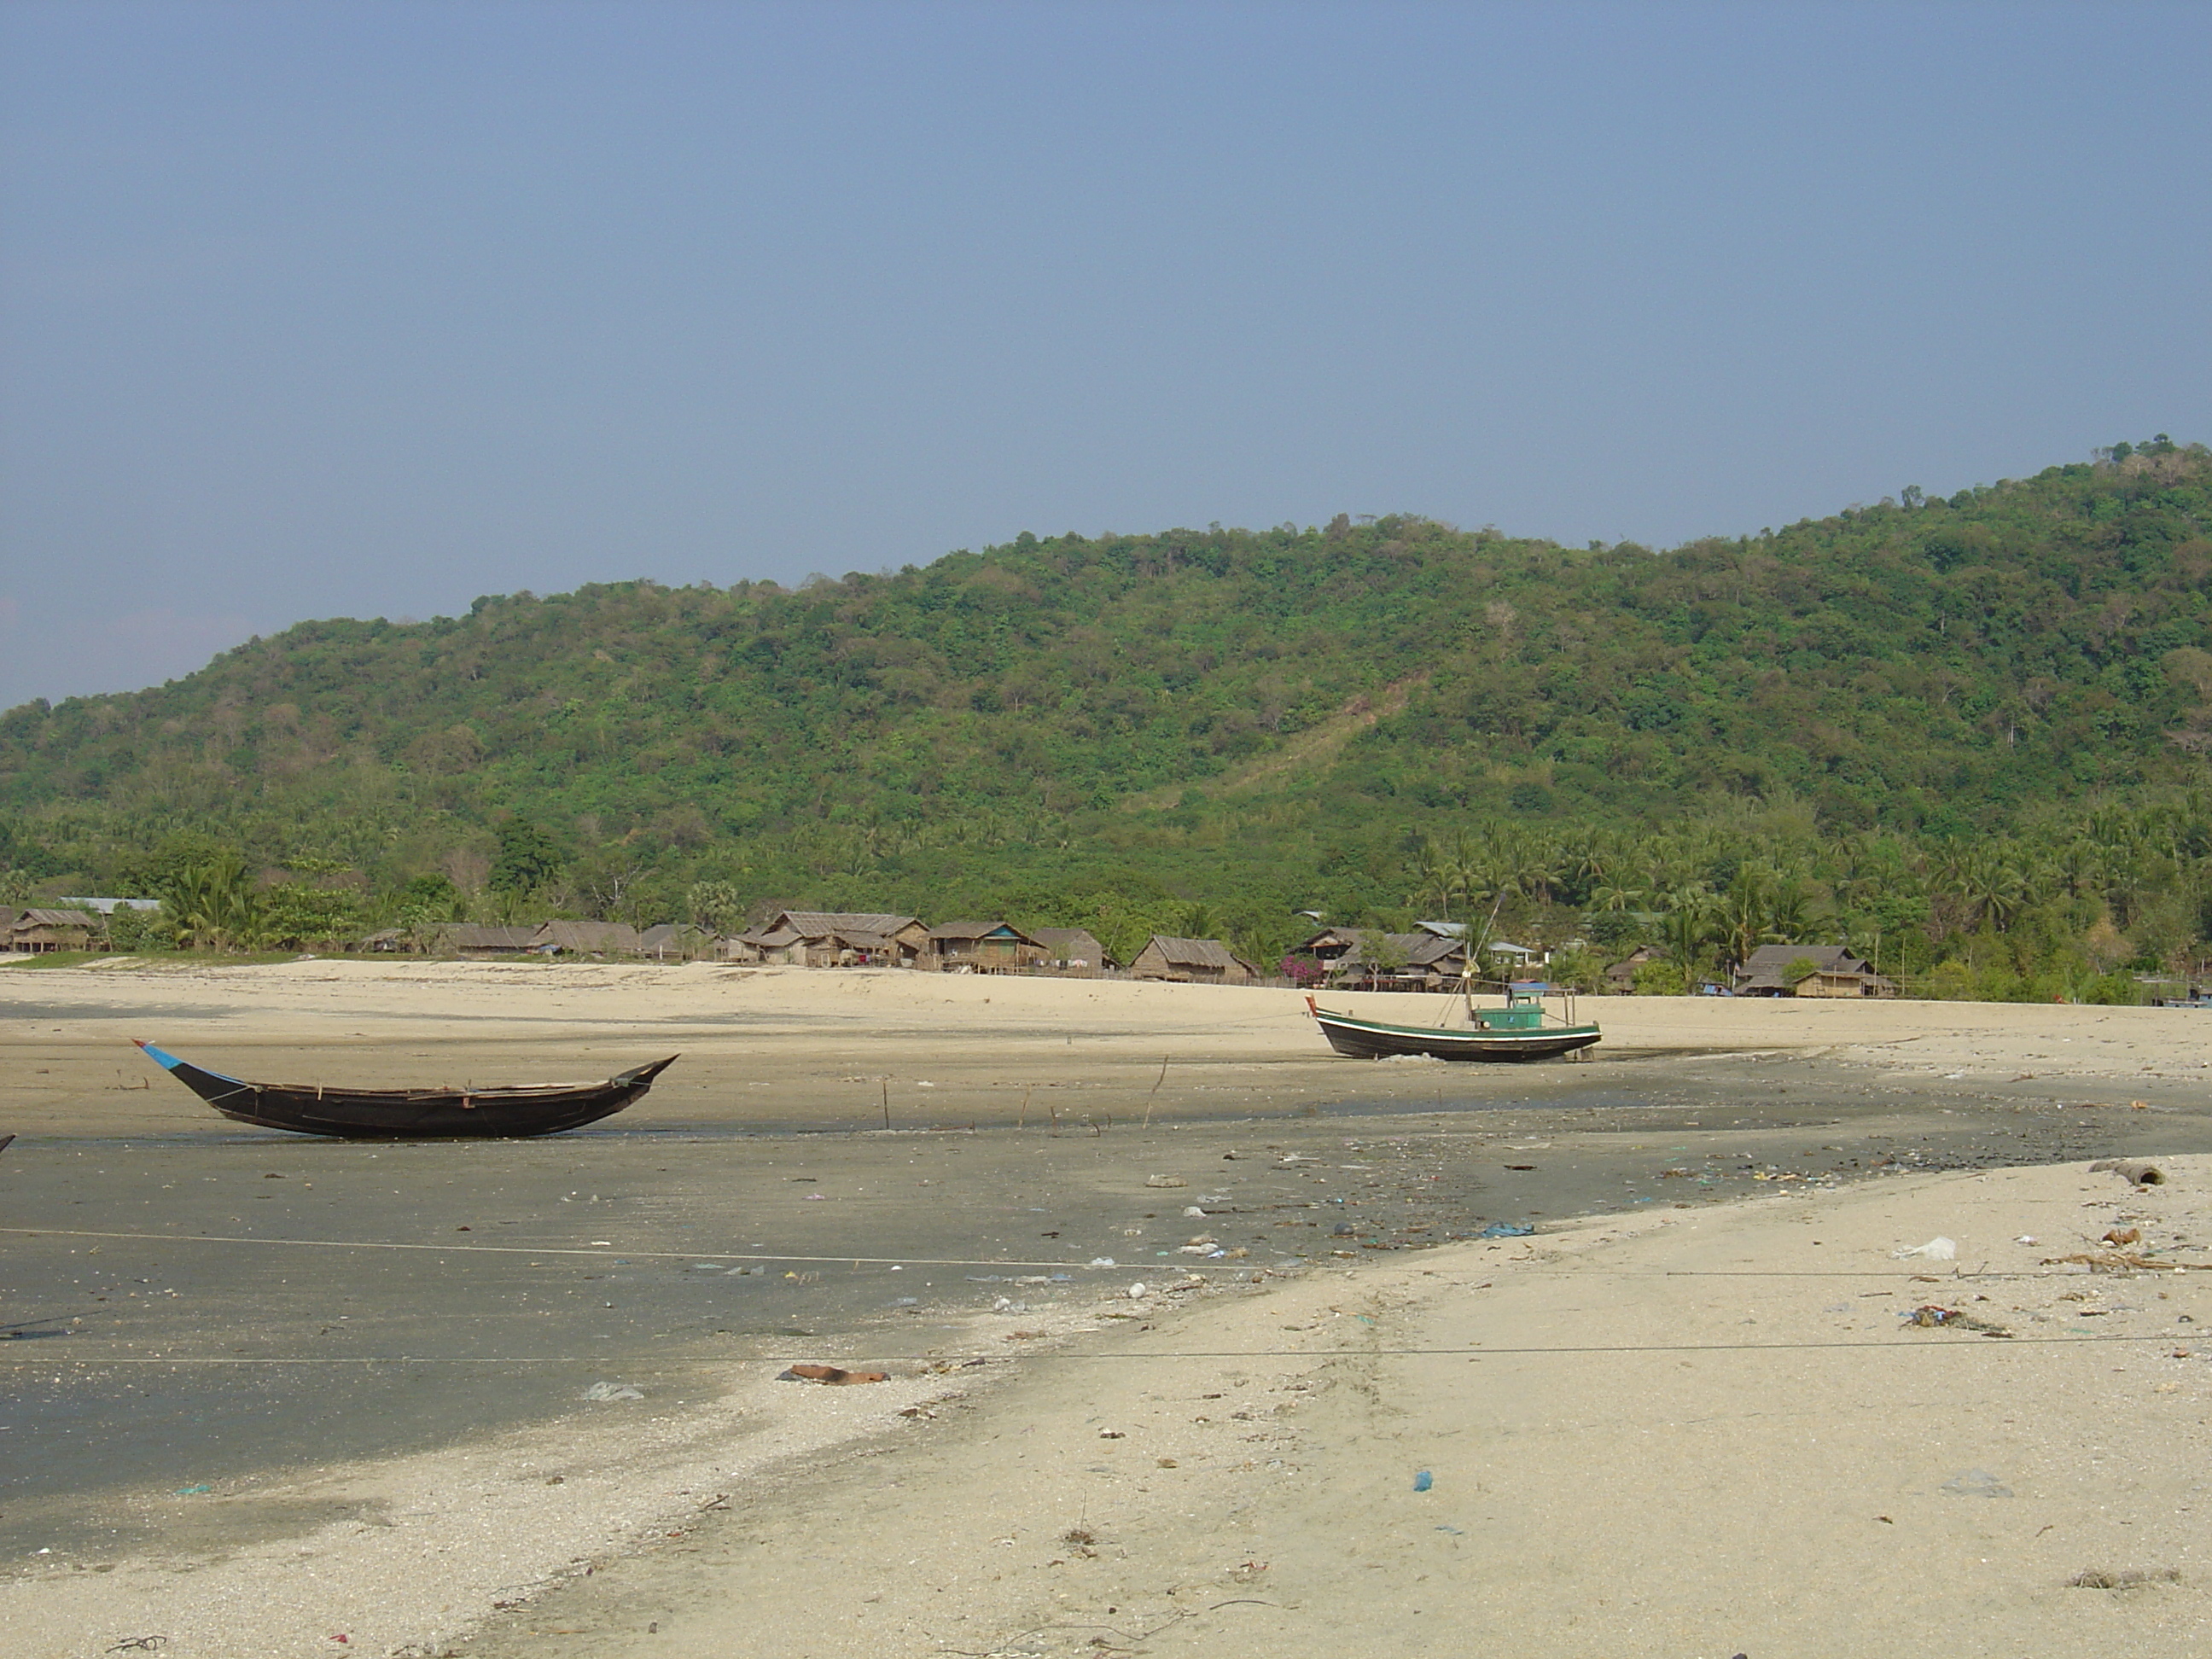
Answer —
(194, 1308)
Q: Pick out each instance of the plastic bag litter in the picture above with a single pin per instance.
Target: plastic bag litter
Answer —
(1975, 1483)
(1505, 1230)
(1938, 1248)
(613, 1391)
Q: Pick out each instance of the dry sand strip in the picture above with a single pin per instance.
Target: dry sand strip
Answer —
(311, 1001)
(1704, 1432)
(1688, 1434)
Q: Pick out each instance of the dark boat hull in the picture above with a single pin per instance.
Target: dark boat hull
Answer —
(1368, 1039)
(413, 1113)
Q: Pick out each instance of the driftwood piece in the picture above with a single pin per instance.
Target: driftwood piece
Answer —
(831, 1374)
(2137, 1171)
(2125, 1261)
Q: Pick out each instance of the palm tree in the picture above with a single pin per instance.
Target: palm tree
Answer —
(1614, 900)
(1688, 926)
(1438, 874)
(1788, 911)
(213, 904)
(1589, 859)
(1744, 914)
(1986, 883)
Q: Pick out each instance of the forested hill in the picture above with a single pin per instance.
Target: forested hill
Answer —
(1213, 712)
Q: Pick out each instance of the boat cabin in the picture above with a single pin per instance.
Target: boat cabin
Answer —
(1523, 1009)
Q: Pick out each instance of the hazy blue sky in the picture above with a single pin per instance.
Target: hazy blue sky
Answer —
(325, 308)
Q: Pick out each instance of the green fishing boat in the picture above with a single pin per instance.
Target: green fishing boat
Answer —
(1520, 1030)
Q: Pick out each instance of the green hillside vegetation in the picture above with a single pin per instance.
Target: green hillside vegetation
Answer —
(1974, 728)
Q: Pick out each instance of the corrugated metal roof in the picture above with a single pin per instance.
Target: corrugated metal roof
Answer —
(981, 930)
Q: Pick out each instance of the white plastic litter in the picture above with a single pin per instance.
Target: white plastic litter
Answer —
(1935, 1249)
(1137, 1291)
(1102, 1261)
(612, 1391)
(2026, 1238)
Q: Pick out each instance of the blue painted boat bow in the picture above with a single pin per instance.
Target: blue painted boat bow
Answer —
(169, 1061)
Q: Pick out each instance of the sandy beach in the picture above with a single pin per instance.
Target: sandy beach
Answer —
(1684, 1416)
(1703, 1437)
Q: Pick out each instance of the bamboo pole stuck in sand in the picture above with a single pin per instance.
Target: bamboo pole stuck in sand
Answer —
(1157, 1081)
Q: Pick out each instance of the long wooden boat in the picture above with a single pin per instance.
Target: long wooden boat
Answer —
(1514, 1032)
(413, 1113)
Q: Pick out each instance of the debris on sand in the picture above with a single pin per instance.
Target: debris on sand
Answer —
(833, 1374)
(1928, 1314)
(2127, 1578)
(2122, 1262)
(2138, 1171)
(1938, 1248)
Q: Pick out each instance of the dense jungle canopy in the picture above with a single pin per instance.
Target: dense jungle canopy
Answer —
(1909, 716)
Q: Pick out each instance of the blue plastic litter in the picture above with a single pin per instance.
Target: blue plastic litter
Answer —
(1504, 1230)
(1423, 1481)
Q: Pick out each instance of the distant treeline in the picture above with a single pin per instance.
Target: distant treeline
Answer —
(1975, 727)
